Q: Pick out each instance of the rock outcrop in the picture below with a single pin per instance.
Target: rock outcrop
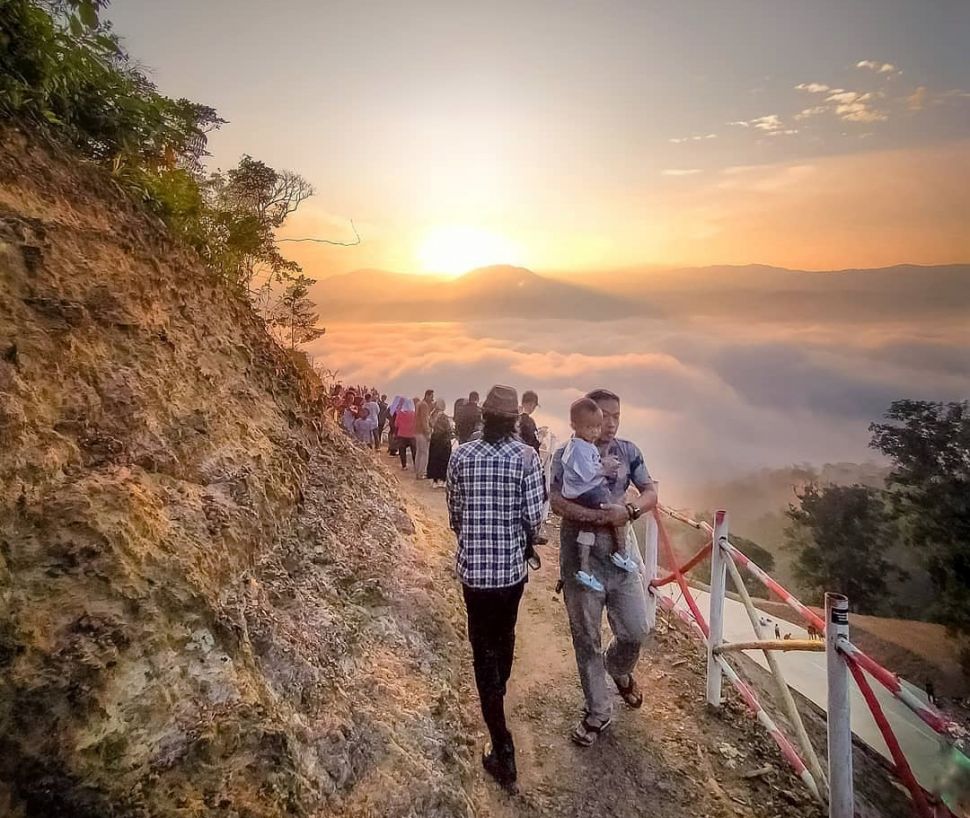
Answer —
(210, 603)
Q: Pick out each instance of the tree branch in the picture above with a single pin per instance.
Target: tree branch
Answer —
(330, 241)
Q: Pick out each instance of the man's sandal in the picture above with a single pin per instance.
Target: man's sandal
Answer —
(587, 732)
(630, 693)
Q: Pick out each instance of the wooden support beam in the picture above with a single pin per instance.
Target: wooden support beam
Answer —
(773, 644)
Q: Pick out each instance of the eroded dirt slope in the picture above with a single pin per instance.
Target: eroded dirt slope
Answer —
(210, 604)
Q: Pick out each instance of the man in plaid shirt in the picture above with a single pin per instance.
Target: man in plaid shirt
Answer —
(495, 492)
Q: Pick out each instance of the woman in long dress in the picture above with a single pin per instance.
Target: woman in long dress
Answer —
(439, 452)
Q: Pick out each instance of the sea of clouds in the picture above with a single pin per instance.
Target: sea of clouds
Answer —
(705, 398)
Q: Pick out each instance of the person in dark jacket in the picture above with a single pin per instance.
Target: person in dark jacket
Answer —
(469, 418)
(528, 433)
(382, 417)
(442, 433)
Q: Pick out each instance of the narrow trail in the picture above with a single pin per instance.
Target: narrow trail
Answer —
(670, 759)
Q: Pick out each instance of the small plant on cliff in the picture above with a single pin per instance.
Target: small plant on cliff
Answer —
(295, 316)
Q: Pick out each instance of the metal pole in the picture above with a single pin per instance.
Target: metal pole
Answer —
(650, 568)
(716, 620)
(841, 799)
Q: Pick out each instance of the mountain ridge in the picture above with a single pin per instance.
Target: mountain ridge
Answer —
(749, 290)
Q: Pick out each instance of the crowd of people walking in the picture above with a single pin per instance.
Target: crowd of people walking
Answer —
(419, 426)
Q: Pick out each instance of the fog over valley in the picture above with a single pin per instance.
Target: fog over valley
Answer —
(721, 370)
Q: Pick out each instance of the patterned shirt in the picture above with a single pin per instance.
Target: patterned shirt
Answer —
(495, 494)
(632, 468)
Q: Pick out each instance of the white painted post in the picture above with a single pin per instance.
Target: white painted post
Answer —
(652, 534)
(718, 581)
(841, 799)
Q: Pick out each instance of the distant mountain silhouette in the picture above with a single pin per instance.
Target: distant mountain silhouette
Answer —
(764, 292)
(487, 292)
(757, 291)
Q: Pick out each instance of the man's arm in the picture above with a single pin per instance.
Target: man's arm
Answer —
(610, 515)
(533, 494)
(640, 477)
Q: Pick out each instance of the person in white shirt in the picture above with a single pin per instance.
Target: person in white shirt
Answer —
(585, 482)
(373, 417)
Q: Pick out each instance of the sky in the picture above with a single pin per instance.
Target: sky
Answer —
(600, 141)
(581, 136)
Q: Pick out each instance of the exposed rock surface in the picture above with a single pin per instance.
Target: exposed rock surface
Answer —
(210, 602)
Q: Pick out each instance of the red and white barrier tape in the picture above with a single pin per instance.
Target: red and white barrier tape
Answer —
(699, 625)
(925, 711)
(750, 699)
(856, 659)
(903, 770)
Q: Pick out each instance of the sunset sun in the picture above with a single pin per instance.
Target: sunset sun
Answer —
(454, 250)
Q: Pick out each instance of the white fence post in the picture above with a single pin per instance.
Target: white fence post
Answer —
(718, 579)
(841, 798)
(650, 541)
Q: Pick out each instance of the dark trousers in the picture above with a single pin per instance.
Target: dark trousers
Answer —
(403, 444)
(492, 613)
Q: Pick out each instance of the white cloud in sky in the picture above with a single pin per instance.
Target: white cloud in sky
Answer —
(695, 138)
(878, 67)
(849, 106)
(815, 110)
(769, 123)
(680, 171)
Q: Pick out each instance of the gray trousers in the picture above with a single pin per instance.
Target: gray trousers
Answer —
(626, 612)
(422, 446)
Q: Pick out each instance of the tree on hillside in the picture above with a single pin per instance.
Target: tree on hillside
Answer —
(841, 535)
(929, 493)
(248, 204)
(294, 315)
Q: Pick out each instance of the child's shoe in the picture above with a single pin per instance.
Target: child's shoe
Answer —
(589, 581)
(624, 562)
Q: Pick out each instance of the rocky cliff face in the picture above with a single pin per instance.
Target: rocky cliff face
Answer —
(210, 603)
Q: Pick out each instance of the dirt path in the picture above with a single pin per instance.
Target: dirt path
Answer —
(670, 759)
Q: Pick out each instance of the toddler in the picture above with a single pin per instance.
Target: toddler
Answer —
(584, 482)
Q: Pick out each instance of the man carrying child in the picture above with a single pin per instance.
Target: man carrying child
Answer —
(621, 464)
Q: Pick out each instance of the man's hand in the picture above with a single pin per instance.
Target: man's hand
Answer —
(616, 514)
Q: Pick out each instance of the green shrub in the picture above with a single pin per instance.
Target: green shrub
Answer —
(63, 70)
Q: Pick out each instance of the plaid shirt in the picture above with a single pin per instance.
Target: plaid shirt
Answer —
(495, 495)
